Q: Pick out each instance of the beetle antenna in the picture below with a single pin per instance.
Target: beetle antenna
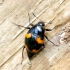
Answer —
(21, 26)
(40, 19)
(29, 21)
(36, 16)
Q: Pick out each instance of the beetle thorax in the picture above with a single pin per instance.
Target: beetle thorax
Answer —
(39, 30)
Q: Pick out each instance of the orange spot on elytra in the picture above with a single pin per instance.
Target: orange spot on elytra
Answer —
(39, 40)
(28, 35)
(34, 51)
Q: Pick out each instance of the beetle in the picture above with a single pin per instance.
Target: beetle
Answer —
(34, 39)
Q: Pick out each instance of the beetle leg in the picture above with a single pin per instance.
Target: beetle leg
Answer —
(24, 27)
(48, 39)
(48, 29)
(22, 53)
(51, 29)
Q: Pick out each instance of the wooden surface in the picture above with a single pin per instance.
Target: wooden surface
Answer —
(12, 37)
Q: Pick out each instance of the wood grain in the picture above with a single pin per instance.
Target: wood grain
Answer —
(12, 37)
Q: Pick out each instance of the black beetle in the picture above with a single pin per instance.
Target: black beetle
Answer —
(34, 39)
